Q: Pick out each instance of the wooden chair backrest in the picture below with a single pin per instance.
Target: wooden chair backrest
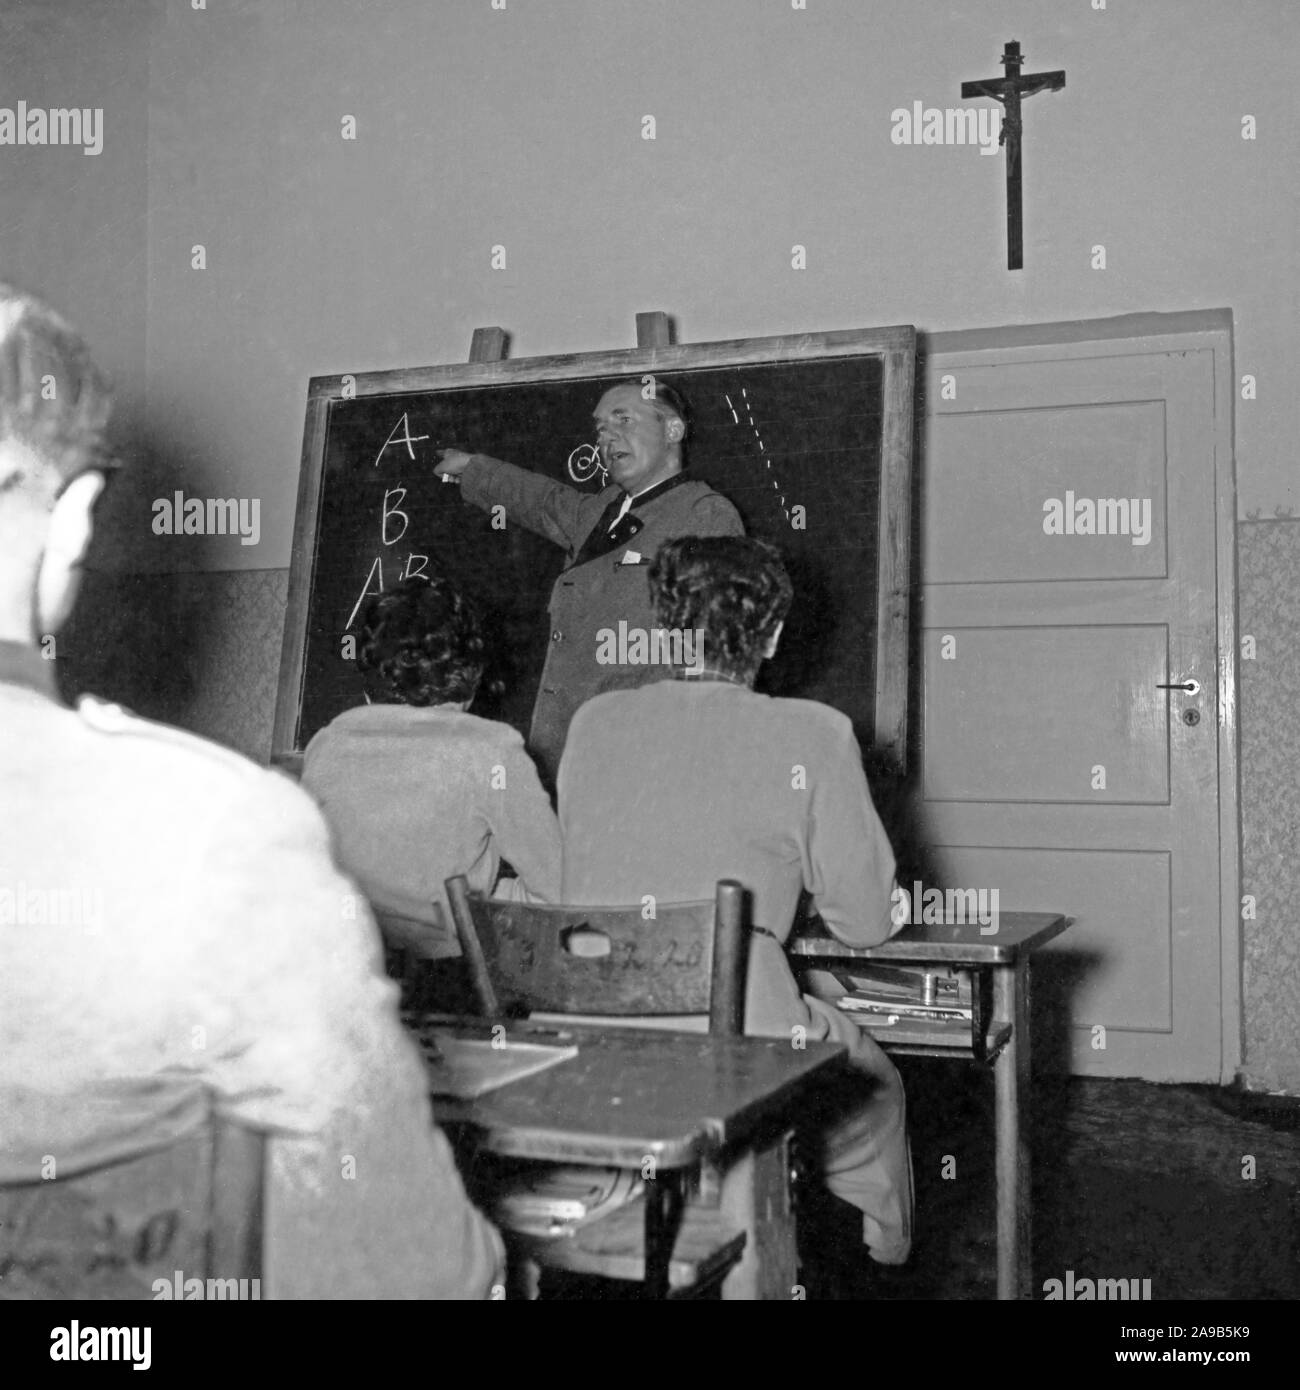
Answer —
(194, 1206)
(688, 958)
(421, 953)
(424, 938)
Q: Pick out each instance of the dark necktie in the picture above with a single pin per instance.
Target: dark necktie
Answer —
(606, 535)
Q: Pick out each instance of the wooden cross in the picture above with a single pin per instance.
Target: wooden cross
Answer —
(1009, 90)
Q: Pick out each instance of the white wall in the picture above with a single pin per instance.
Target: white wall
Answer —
(73, 226)
(523, 127)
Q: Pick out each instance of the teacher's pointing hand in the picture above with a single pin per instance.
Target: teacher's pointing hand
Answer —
(452, 463)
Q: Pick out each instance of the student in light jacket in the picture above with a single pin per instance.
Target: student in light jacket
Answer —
(415, 788)
(665, 789)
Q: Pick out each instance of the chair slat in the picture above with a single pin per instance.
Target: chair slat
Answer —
(665, 958)
(110, 1232)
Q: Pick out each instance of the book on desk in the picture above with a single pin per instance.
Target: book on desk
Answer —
(546, 1200)
(908, 1003)
(537, 1199)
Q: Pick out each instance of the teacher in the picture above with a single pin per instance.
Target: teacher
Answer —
(610, 537)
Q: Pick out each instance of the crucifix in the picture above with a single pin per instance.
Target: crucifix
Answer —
(1009, 90)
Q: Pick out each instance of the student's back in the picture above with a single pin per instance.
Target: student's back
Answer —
(172, 928)
(665, 789)
(414, 797)
(415, 788)
(177, 925)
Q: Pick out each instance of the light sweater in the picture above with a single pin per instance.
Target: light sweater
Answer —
(414, 796)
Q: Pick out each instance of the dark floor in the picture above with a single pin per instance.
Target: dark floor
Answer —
(1131, 1180)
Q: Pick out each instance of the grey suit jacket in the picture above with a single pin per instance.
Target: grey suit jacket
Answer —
(593, 597)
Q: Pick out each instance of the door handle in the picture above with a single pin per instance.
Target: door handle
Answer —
(1191, 686)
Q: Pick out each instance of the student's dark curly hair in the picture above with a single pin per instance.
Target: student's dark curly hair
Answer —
(421, 643)
(735, 590)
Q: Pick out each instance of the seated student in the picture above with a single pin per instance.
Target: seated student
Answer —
(173, 933)
(416, 789)
(665, 789)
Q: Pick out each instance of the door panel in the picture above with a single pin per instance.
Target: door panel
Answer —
(1114, 747)
(1053, 767)
(1113, 893)
(1111, 452)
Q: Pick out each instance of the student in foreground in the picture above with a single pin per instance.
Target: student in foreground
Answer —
(214, 951)
(665, 789)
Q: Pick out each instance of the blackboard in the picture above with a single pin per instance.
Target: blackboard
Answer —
(818, 422)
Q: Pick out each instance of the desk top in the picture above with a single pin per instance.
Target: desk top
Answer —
(633, 1094)
(947, 943)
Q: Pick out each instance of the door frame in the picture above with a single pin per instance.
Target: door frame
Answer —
(1206, 330)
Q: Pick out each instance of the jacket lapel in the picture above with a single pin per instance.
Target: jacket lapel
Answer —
(601, 540)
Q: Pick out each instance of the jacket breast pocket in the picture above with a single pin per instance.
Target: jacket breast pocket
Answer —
(625, 593)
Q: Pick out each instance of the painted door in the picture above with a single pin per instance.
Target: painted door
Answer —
(1072, 504)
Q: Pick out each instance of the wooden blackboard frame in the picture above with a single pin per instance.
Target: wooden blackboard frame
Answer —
(896, 347)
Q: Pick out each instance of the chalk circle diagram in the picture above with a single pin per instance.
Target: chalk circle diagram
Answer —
(584, 463)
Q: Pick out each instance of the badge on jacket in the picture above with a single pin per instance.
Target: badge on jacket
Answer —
(624, 529)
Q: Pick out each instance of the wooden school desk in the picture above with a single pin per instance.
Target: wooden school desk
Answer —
(1004, 1041)
(686, 1100)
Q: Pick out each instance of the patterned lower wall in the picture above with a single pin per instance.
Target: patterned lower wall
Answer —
(208, 652)
(1268, 598)
(234, 701)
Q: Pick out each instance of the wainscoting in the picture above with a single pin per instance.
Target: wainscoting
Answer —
(1268, 559)
(198, 650)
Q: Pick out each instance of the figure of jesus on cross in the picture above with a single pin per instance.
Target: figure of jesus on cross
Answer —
(1009, 90)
